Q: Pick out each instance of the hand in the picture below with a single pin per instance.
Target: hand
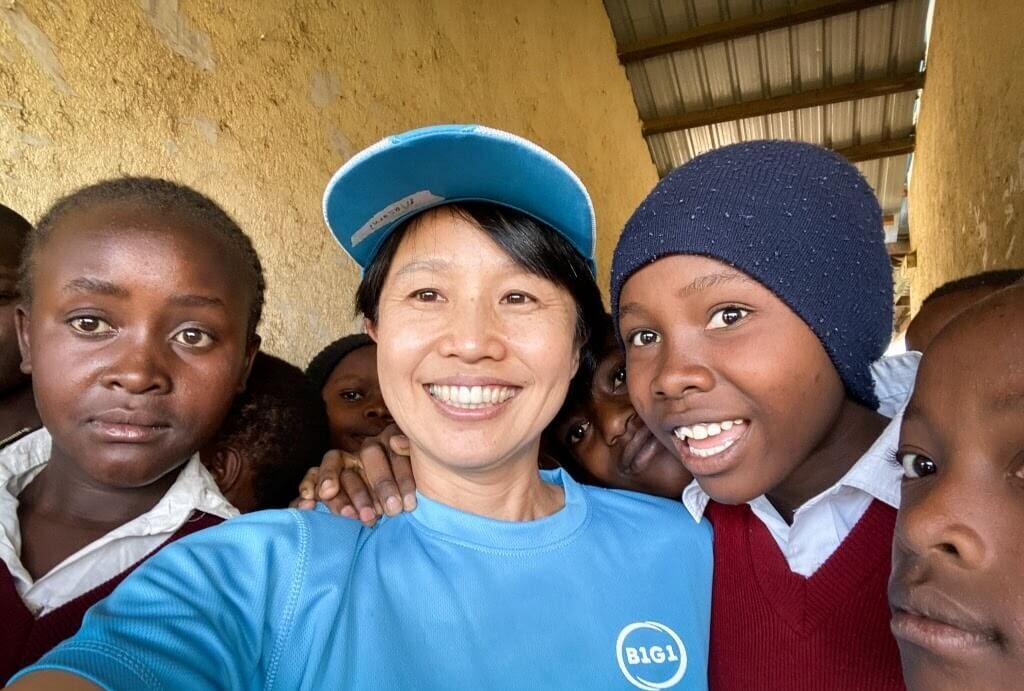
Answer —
(379, 480)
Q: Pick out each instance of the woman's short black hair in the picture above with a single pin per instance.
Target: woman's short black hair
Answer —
(163, 196)
(532, 245)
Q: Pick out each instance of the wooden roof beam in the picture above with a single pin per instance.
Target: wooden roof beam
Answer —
(781, 104)
(744, 26)
(875, 150)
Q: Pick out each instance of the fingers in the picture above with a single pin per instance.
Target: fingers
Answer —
(329, 475)
(380, 476)
(354, 485)
(402, 467)
(307, 488)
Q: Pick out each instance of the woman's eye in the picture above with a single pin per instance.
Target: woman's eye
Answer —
(644, 338)
(516, 299)
(916, 465)
(90, 325)
(727, 316)
(427, 295)
(352, 396)
(618, 377)
(578, 431)
(193, 338)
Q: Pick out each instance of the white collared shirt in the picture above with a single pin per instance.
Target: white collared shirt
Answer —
(112, 554)
(824, 521)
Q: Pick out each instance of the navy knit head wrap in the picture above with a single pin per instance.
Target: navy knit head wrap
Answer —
(799, 219)
(323, 363)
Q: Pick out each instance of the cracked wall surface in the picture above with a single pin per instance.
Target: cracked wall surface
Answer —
(257, 103)
(966, 198)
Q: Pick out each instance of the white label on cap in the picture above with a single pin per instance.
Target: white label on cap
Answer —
(393, 212)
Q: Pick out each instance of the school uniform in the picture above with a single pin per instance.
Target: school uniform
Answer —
(804, 606)
(40, 613)
(610, 592)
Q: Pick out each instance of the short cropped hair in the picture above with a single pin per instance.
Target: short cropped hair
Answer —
(323, 363)
(279, 426)
(160, 195)
(531, 244)
(12, 220)
(1001, 278)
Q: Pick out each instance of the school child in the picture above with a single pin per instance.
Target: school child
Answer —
(957, 555)
(140, 300)
(950, 299)
(599, 438)
(753, 292)
(18, 414)
(275, 430)
(345, 373)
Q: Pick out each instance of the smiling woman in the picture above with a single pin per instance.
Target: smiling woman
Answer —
(478, 289)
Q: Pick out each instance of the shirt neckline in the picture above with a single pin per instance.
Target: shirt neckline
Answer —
(489, 534)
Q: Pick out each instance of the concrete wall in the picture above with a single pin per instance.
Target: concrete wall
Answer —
(966, 198)
(257, 102)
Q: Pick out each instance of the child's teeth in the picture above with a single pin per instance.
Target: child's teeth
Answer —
(704, 430)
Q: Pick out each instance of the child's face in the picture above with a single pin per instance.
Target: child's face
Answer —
(355, 407)
(609, 439)
(136, 338)
(725, 374)
(938, 312)
(11, 376)
(958, 558)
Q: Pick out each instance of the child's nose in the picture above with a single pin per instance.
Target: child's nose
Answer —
(681, 374)
(615, 420)
(938, 522)
(377, 410)
(137, 370)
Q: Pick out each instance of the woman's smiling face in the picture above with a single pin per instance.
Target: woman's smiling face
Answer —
(475, 352)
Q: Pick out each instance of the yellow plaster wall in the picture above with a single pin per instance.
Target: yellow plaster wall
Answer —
(966, 199)
(257, 102)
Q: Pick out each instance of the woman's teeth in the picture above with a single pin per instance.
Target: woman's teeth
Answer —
(471, 396)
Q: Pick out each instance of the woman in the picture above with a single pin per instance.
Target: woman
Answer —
(477, 248)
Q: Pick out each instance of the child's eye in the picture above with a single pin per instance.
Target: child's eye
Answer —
(727, 316)
(618, 377)
(90, 326)
(644, 337)
(193, 338)
(352, 396)
(916, 465)
(577, 432)
(516, 298)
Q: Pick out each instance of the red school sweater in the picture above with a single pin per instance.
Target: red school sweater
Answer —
(24, 638)
(775, 630)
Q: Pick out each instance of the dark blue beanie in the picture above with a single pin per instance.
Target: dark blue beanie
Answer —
(799, 219)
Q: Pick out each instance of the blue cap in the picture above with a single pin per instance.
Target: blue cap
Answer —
(406, 174)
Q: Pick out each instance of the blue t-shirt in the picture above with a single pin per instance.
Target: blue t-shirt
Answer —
(611, 592)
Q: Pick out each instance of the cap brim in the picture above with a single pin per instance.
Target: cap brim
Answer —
(401, 176)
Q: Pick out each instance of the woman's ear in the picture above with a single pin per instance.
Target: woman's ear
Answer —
(371, 328)
(22, 322)
(577, 356)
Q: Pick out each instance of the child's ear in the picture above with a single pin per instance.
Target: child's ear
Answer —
(371, 328)
(22, 322)
(224, 464)
(250, 357)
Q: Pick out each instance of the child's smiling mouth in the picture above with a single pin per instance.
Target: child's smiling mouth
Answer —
(702, 445)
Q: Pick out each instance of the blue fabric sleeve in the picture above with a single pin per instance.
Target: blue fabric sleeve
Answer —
(214, 610)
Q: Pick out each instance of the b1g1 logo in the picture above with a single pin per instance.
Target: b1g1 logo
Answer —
(651, 655)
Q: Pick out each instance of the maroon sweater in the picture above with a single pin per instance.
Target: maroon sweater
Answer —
(24, 638)
(775, 630)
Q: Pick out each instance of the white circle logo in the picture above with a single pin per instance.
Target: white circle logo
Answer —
(651, 655)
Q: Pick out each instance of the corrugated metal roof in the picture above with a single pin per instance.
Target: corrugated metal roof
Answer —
(885, 40)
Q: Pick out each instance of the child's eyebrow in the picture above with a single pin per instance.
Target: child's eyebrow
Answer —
(95, 285)
(709, 280)
(196, 301)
